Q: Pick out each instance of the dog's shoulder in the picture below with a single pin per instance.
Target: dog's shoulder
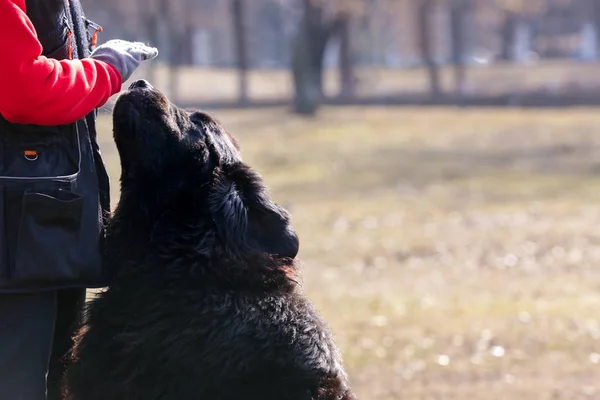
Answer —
(282, 328)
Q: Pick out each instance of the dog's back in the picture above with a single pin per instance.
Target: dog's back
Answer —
(205, 345)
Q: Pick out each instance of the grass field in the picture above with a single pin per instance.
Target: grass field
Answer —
(455, 254)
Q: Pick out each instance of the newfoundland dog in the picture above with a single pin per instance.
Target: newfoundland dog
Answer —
(204, 302)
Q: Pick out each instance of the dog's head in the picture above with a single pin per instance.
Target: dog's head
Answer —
(182, 175)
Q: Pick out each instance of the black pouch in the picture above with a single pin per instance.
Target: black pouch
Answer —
(41, 235)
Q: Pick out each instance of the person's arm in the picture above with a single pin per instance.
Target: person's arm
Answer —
(43, 91)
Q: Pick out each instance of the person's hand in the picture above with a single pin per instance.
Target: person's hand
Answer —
(123, 55)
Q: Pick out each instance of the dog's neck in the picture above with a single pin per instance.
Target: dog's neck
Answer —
(193, 250)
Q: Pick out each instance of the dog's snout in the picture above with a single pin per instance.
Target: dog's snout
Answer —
(142, 84)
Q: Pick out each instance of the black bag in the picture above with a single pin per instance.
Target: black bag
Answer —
(53, 184)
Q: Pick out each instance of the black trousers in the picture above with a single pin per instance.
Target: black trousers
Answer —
(36, 331)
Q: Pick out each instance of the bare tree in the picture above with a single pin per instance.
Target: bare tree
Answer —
(459, 18)
(166, 29)
(424, 13)
(173, 31)
(595, 11)
(316, 28)
(150, 20)
(241, 48)
(507, 34)
(347, 83)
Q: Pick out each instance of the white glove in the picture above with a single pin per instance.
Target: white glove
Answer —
(123, 55)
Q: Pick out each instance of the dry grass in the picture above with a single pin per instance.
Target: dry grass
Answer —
(454, 253)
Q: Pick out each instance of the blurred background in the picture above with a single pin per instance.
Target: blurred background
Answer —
(441, 161)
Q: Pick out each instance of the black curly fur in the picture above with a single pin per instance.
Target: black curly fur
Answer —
(204, 302)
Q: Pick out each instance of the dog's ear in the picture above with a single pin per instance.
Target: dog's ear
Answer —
(245, 216)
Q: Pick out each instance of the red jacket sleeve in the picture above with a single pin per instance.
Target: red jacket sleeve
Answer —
(43, 91)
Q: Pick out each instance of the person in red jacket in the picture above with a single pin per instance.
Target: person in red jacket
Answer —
(36, 326)
(43, 91)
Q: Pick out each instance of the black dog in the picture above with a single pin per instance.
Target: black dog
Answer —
(204, 303)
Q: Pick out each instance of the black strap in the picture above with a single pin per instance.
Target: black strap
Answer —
(80, 30)
(76, 20)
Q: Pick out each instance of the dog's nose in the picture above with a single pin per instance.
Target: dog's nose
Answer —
(142, 84)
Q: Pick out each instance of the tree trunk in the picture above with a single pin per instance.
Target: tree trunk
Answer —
(176, 60)
(317, 47)
(308, 55)
(241, 49)
(425, 43)
(458, 20)
(168, 28)
(151, 22)
(188, 50)
(596, 19)
(508, 35)
(307, 93)
(347, 86)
